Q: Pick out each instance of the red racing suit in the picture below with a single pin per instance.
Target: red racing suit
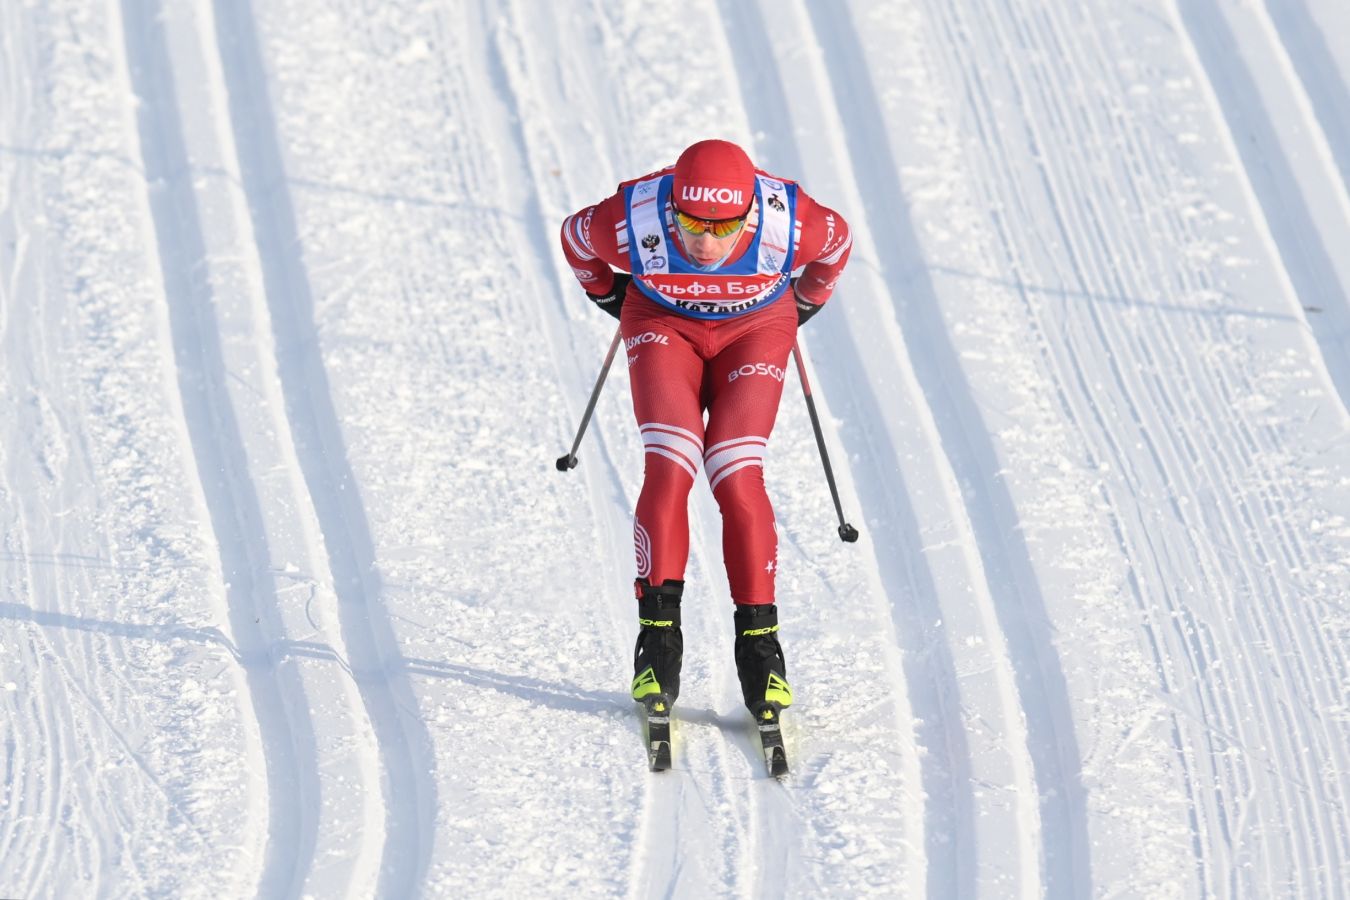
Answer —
(714, 341)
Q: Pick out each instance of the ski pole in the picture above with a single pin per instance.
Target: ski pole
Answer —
(847, 533)
(569, 461)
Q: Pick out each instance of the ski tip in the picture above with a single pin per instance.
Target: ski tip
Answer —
(657, 709)
(775, 757)
(658, 756)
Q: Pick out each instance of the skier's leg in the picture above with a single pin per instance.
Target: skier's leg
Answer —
(746, 383)
(665, 373)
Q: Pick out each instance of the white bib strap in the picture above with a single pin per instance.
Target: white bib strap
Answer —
(775, 226)
(649, 228)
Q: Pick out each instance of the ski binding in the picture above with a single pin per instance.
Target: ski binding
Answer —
(658, 732)
(768, 720)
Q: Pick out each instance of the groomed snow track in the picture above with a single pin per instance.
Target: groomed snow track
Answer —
(292, 601)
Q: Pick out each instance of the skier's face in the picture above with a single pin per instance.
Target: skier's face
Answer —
(705, 247)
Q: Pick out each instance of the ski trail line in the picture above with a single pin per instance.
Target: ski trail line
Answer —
(926, 671)
(1090, 252)
(1015, 592)
(1011, 836)
(510, 54)
(276, 698)
(1004, 191)
(1306, 42)
(377, 664)
(1257, 517)
(1185, 450)
(1325, 101)
(26, 736)
(105, 471)
(1300, 197)
(1008, 179)
(704, 829)
(31, 732)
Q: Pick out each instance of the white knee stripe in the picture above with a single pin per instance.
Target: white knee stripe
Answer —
(734, 467)
(677, 444)
(658, 427)
(727, 452)
(749, 438)
(726, 457)
(684, 463)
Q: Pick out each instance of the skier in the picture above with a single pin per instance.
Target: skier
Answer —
(711, 244)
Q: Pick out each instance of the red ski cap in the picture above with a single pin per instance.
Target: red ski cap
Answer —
(713, 180)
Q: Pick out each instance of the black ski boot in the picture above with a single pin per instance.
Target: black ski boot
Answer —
(759, 658)
(656, 663)
(660, 643)
(763, 674)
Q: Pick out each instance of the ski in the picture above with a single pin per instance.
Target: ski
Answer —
(768, 719)
(657, 710)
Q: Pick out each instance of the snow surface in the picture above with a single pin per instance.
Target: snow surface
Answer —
(293, 602)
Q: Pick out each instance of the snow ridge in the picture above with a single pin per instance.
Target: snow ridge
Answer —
(294, 603)
(1304, 203)
(251, 593)
(376, 663)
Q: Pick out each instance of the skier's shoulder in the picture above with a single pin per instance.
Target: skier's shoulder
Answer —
(625, 185)
(773, 180)
(597, 230)
(824, 233)
(807, 210)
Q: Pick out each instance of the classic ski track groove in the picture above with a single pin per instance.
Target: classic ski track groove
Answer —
(1197, 503)
(990, 132)
(376, 663)
(1164, 651)
(1011, 599)
(575, 363)
(16, 797)
(39, 731)
(1289, 166)
(46, 726)
(1274, 622)
(1299, 50)
(276, 699)
(26, 734)
(1168, 452)
(1072, 366)
(1327, 94)
(50, 727)
(968, 68)
(905, 585)
(1313, 221)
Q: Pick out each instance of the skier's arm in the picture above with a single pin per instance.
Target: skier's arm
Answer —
(824, 250)
(590, 240)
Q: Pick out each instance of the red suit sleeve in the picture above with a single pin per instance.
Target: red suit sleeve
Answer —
(591, 241)
(823, 249)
